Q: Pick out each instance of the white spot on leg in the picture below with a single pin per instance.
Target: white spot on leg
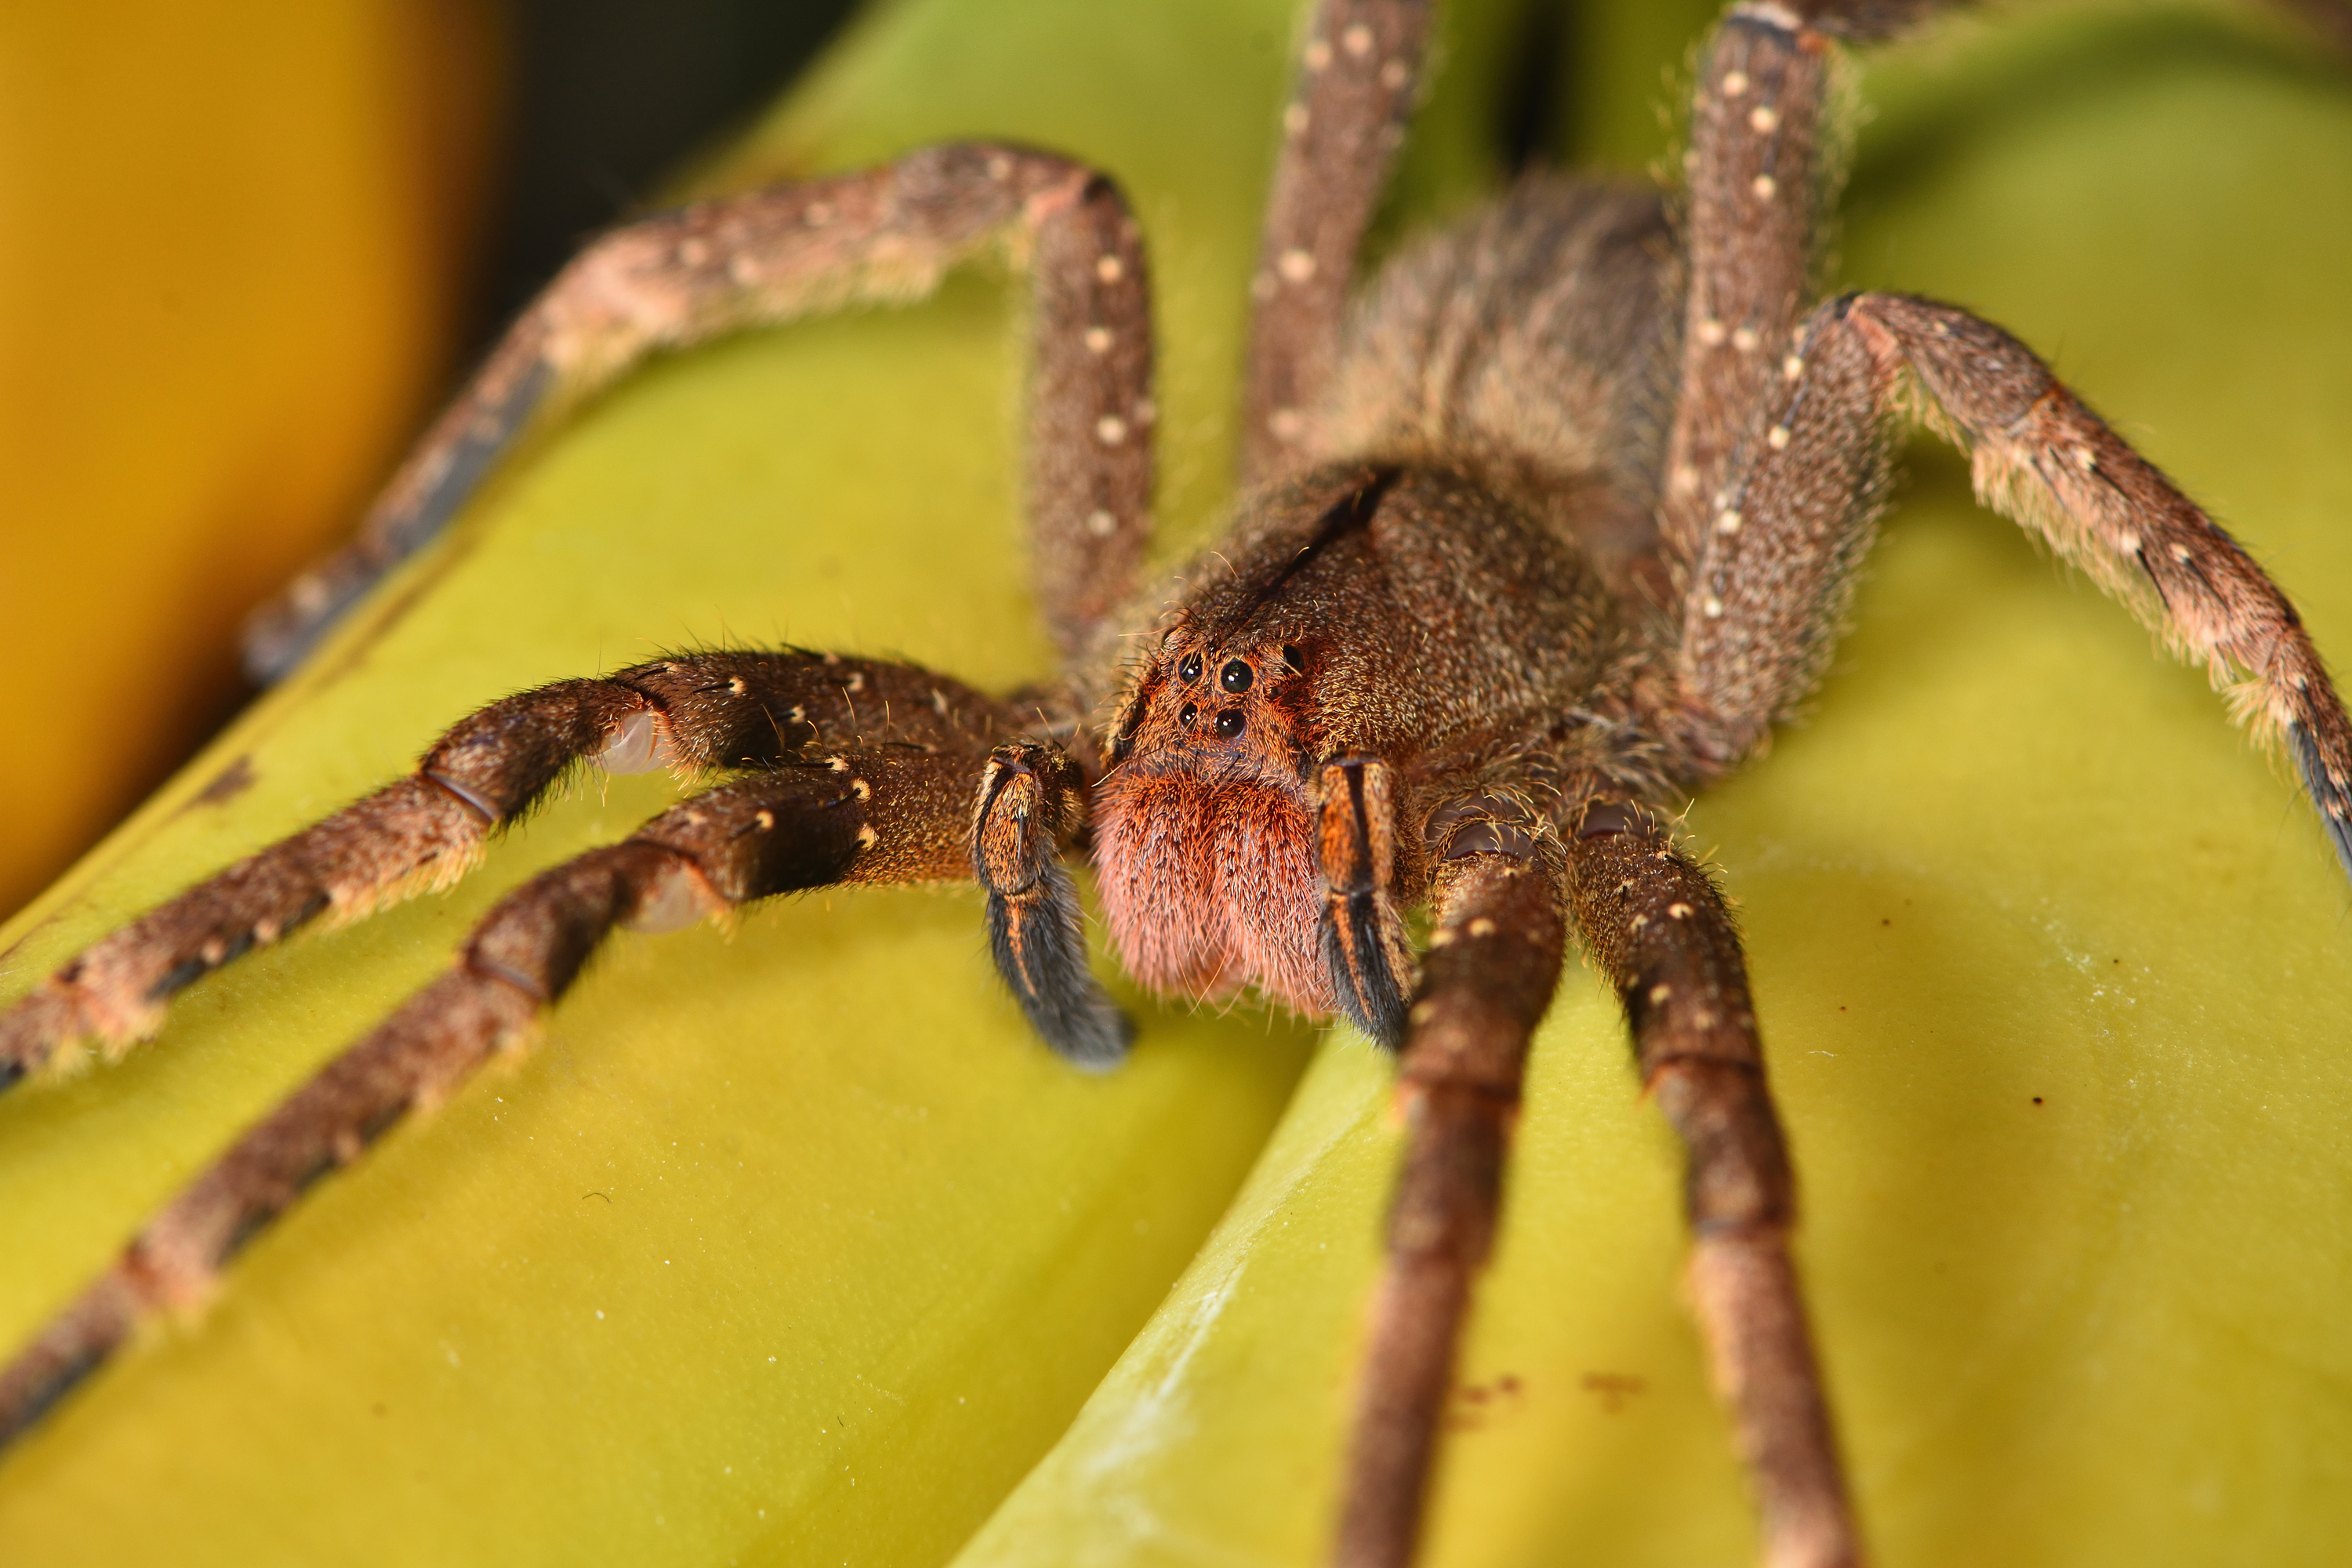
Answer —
(1711, 331)
(1098, 340)
(1729, 523)
(1744, 339)
(1765, 186)
(1110, 269)
(1777, 437)
(1763, 120)
(1661, 994)
(1357, 40)
(1792, 368)
(1319, 55)
(1686, 479)
(2085, 460)
(1294, 119)
(1296, 266)
(1482, 926)
(1101, 524)
(1712, 608)
(1285, 423)
(1733, 83)
(1111, 429)
(1395, 75)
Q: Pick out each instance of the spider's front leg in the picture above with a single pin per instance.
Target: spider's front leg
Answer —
(693, 712)
(880, 235)
(890, 812)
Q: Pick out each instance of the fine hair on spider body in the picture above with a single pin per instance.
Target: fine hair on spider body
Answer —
(1545, 524)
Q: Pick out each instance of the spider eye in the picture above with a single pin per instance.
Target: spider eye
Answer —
(1293, 658)
(1186, 714)
(1190, 671)
(1236, 677)
(1229, 723)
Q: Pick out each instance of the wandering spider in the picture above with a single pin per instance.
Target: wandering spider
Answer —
(1355, 505)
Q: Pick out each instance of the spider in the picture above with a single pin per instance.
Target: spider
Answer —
(1252, 651)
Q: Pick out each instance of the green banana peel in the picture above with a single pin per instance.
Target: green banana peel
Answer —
(2010, 859)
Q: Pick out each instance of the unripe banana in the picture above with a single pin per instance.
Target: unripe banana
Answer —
(2053, 973)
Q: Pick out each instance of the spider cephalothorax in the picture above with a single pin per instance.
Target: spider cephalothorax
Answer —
(1547, 530)
(1363, 614)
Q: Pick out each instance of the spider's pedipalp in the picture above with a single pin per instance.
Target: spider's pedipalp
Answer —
(772, 256)
(1658, 929)
(888, 815)
(698, 711)
(1036, 932)
(1495, 946)
(1361, 933)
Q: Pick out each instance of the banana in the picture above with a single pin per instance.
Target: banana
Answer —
(539, 1325)
(230, 282)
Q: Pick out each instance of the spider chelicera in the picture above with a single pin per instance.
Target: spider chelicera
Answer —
(1446, 660)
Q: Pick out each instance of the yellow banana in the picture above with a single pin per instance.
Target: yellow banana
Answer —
(537, 1326)
(231, 241)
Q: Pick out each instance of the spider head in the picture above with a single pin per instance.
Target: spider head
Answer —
(1234, 704)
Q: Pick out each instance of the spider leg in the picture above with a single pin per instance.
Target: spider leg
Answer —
(1764, 171)
(872, 816)
(693, 712)
(1655, 924)
(2042, 457)
(1494, 959)
(1341, 130)
(772, 256)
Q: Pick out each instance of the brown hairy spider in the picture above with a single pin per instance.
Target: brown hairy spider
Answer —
(1544, 532)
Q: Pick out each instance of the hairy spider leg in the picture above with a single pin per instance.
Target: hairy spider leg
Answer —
(692, 712)
(1494, 953)
(884, 234)
(1341, 130)
(2039, 457)
(1658, 930)
(879, 815)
